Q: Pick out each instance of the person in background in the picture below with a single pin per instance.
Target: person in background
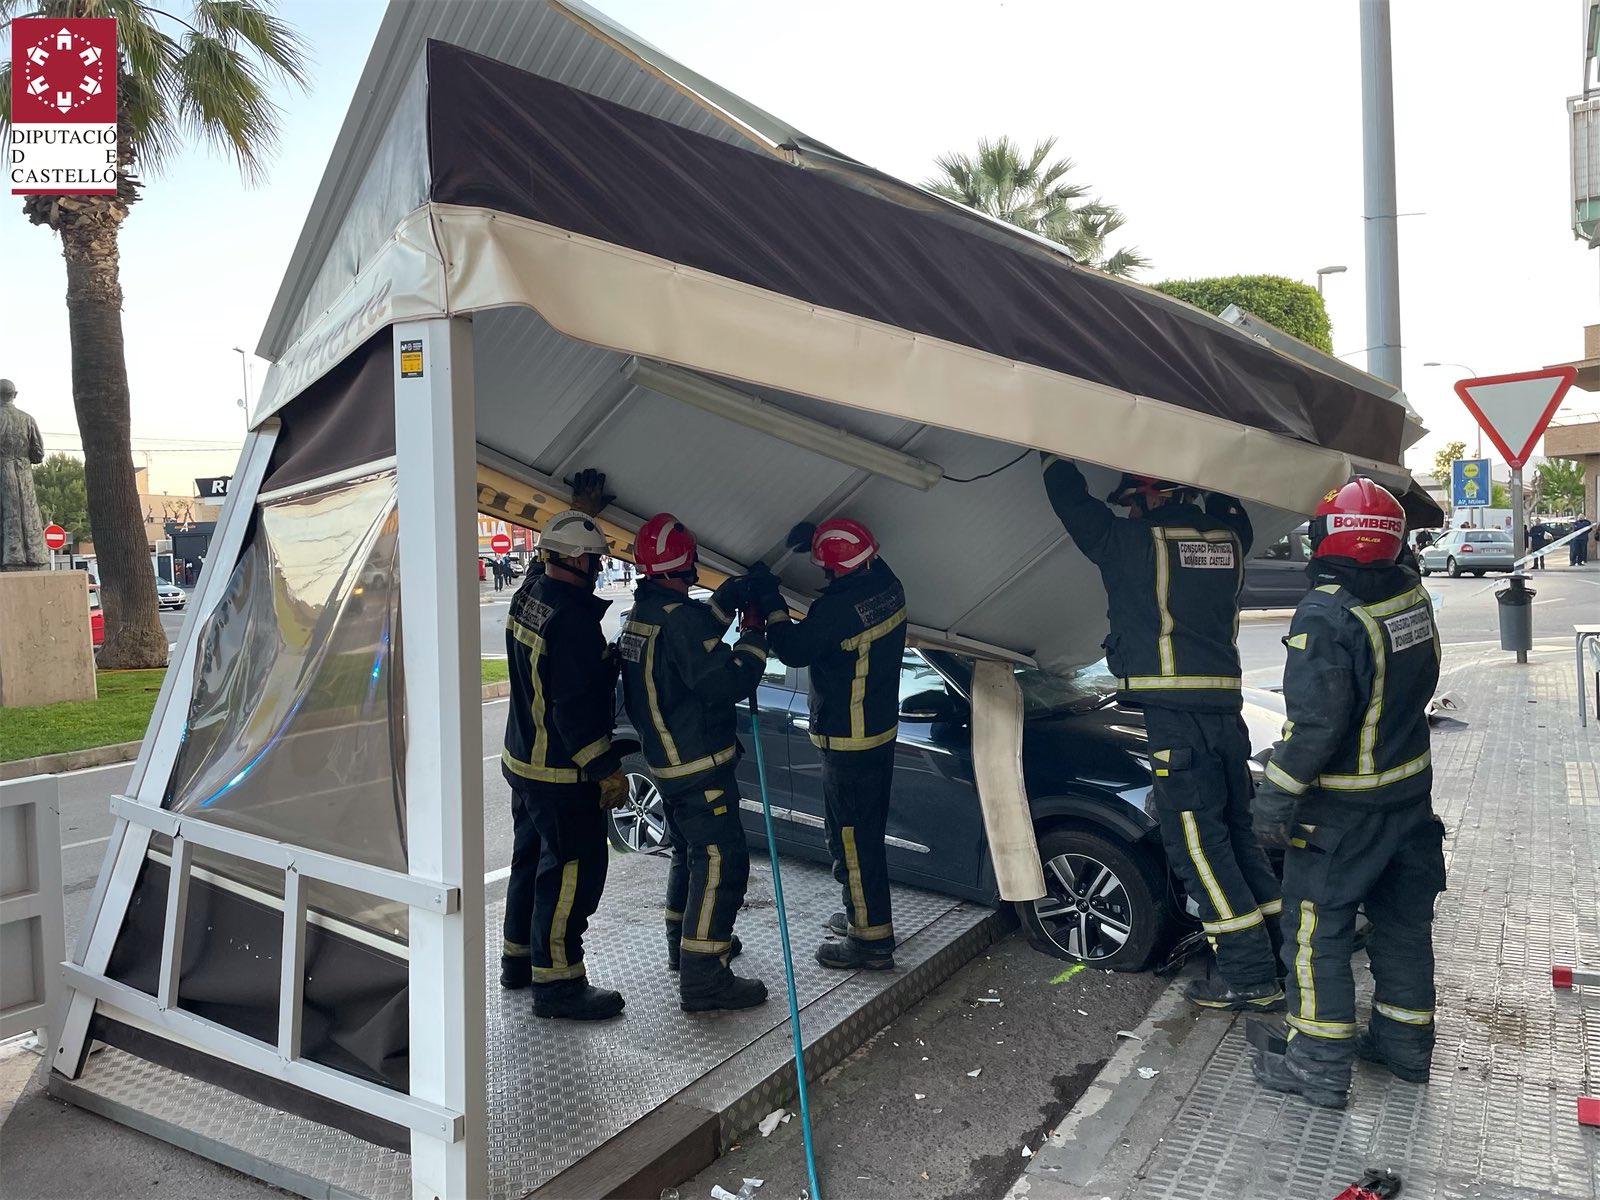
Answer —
(1539, 536)
(1580, 544)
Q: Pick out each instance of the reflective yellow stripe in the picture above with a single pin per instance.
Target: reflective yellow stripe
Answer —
(703, 946)
(871, 933)
(592, 751)
(1330, 588)
(699, 764)
(852, 867)
(1210, 535)
(539, 756)
(1406, 1016)
(537, 773)
(1191, 835)
(1138, 683)
(751, 649)
(1380, 668)
(1367, 783)
(1296, 641)
(1162, 755)
(861, 643)
(557, 974)
(510, 949)
(1282, 779)
(708, 901)
(822, 741)
(1302, 961)
(1249, 921)
(1387, 608)
(648, 632)
(1163, 581)
(1272, 908)
(558, 920)
(1324, 1029)
(674, 917)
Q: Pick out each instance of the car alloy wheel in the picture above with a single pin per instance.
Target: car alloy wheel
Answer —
(1087, 913)
(641, 823)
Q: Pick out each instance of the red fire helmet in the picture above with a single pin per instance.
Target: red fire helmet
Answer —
(664, 546)
(1361, 521)
(840, 545)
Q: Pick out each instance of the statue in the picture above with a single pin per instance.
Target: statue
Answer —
(21, 527)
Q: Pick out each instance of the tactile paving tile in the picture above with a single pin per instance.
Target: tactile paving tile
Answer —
(558, 1090)
(1498, 1119)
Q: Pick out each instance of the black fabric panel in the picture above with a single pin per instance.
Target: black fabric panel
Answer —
(504, 139)
(274, 1093)
(355, 1017)
(344, 419)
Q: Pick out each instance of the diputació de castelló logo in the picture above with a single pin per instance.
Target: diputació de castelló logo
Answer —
(63, 106)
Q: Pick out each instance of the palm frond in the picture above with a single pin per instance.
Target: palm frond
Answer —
(223, 99)
(1125, 262)
(254, 24)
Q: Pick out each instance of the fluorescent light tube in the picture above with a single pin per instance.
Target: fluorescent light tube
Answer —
(754, 413)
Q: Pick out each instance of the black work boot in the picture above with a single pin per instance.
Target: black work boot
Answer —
(706, 985)
(1314, 1073)
(1216, 994)
(516, 971)
(854, 955)
(575, 1000)
(675, 938)
(1411, 1064)
(838, 925)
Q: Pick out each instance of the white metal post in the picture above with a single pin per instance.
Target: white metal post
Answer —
(436, 474)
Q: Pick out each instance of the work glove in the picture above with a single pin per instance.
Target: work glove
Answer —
(614, 790)
(1220, 504)
(765, 592)
(730, 596)
(1272, 816)
(589, 495)
(799, 539)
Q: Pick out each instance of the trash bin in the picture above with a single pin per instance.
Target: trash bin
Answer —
(1516, 614)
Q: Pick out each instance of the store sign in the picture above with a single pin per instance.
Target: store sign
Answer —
(213, 487)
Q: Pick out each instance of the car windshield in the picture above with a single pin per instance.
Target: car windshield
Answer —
(1049, 692)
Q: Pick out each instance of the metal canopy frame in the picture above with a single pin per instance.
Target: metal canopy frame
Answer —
(445, 1110)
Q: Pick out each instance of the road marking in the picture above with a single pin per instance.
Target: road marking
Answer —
(80, 845)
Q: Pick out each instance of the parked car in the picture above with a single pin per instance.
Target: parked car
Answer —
(1469, 552)
(1276, 578)
(1112, 900)
(170, 596)
(97, 618)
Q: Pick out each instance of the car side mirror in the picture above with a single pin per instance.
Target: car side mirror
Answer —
(936, 706)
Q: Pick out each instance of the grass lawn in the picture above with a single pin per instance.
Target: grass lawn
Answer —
(120, 714)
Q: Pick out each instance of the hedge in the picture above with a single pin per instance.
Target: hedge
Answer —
(1286, 304)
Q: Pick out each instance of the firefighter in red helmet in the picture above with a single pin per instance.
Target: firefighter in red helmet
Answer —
(680, 684)
(852, 639)
(1172, 572)
(1348, 793)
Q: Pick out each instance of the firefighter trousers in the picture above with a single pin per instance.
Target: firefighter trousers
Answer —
(1202, 798)
(707, 879)
(559, 856)
(855, 791)
(1393, 863)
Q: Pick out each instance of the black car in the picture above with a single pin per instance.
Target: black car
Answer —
(1276, 578)
(1088, 780)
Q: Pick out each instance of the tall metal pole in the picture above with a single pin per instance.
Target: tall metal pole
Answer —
(1383, 234)
(1517, 515)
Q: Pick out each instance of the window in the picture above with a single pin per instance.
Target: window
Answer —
(1278, 551)
(1489, 535)
(917, 676)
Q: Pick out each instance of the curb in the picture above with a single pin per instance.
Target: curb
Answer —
(689, 1131)
(1119, 1120)
(121, 752)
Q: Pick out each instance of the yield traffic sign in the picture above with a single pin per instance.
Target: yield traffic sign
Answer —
(1514, 409)
(55, 537)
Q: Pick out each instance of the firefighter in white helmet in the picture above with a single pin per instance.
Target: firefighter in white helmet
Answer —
(563, 771)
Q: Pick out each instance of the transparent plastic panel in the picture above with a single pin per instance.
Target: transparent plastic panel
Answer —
(296, 728)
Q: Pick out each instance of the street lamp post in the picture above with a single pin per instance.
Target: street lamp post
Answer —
(1321, 271)
(244, 382)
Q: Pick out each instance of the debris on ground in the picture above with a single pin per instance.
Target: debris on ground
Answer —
(974, 1074)
(919, 1095)
(772, 1120)
(1148, 1072)
(1130, 1034)
(1068, 973)
(1026, 1152)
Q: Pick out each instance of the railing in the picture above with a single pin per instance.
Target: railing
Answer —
(31, 938)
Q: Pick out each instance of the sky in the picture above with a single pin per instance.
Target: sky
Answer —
(1229, 133)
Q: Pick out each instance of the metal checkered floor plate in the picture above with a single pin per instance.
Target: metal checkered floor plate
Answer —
(557, 1090)
(1498, 1119)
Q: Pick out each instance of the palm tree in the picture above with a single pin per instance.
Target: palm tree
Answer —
(1033, 193)
(206, 77)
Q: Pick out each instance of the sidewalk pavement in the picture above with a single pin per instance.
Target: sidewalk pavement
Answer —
(1176, 1113)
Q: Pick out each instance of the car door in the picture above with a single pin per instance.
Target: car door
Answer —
(935, 828)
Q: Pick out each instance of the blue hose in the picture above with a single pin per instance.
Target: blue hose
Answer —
(788, 955)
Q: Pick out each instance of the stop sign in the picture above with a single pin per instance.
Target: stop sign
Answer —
(55, 537)
(500, 543)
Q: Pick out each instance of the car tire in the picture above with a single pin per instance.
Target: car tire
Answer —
(640, 825)
(1129, 903)
(1453, 568)
(1425, 570)
(1477, 574)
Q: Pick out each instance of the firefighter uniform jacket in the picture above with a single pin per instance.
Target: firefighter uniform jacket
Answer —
(853, 640)
(1172, 581)
(563, 680)
(680, 683)
(1363, 662)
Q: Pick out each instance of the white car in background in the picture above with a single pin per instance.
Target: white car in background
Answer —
(170, 595)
